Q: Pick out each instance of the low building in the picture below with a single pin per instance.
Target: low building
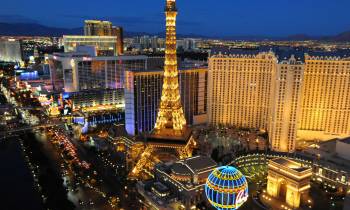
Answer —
(105, 45)
(77, 71)
(347, 202)
(343, 148)
(98, 100)
(160, 189)
(186, 178)
(330, 168)
(331, 172)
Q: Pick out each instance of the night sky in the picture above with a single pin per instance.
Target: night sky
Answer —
(204, 17)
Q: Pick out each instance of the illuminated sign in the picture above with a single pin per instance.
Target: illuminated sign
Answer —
(226, 188)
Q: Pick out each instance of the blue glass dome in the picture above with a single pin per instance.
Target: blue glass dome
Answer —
(226, 188)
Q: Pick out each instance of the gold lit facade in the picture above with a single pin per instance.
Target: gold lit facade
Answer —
(291, 94)
(239, 89)
(325, 108)
(104, 45)
(105, 28)
(170, 119)
(143, 90)
(97, 28)
(285, 106)
(289, 179)
(170, 137)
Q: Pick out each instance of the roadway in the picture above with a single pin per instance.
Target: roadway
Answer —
(106, 165)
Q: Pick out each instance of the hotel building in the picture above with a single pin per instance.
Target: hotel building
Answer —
(106, 38)
(239, 88)
(105, 28)
(104, 45)
(143, 90)
(119, 33)
(10, 50)
(288, 92)
(73, 72)
(97, 28)
(325, 108)
(285, 104)
(93, 100)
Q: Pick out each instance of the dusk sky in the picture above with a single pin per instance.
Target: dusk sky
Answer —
(204, 17)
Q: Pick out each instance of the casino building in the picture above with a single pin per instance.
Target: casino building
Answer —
(10, 50)
(77, 71)
(106, 38)
(291, 93)
(143, 91)
(184, 179)
(98, 99)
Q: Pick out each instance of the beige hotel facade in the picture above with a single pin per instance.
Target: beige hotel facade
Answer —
(291, 93)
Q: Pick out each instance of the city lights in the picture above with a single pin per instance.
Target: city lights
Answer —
(182, 106)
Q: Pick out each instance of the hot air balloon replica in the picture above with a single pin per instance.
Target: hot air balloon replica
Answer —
(226, 188)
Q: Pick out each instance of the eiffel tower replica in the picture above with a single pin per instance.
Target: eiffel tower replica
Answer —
(170, 135)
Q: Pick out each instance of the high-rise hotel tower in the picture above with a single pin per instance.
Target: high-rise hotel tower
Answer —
(288, 92)
(143, 91)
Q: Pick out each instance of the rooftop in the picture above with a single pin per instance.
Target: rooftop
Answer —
(326, 151)
(345, 140)
(194, 165)
(337, 53)
(160, 187)
(164, 140)
(290, 164)
(97, 21)
(200, 163)
(282, 53)
(87, 57)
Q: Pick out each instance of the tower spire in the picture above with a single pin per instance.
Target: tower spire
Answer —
(170, 118)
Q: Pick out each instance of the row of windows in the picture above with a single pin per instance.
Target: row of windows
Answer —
(234, 100)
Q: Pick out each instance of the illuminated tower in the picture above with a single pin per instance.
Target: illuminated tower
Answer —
(170, 136)
(170, 119)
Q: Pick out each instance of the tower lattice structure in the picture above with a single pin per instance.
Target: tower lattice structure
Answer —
(170, 130)
(170, 118)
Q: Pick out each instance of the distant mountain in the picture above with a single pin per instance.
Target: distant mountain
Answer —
(248, 38)
(298, 37)
(162, 35)
(342, 37)
(16, 19)
(34, 29)
(133, 34)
